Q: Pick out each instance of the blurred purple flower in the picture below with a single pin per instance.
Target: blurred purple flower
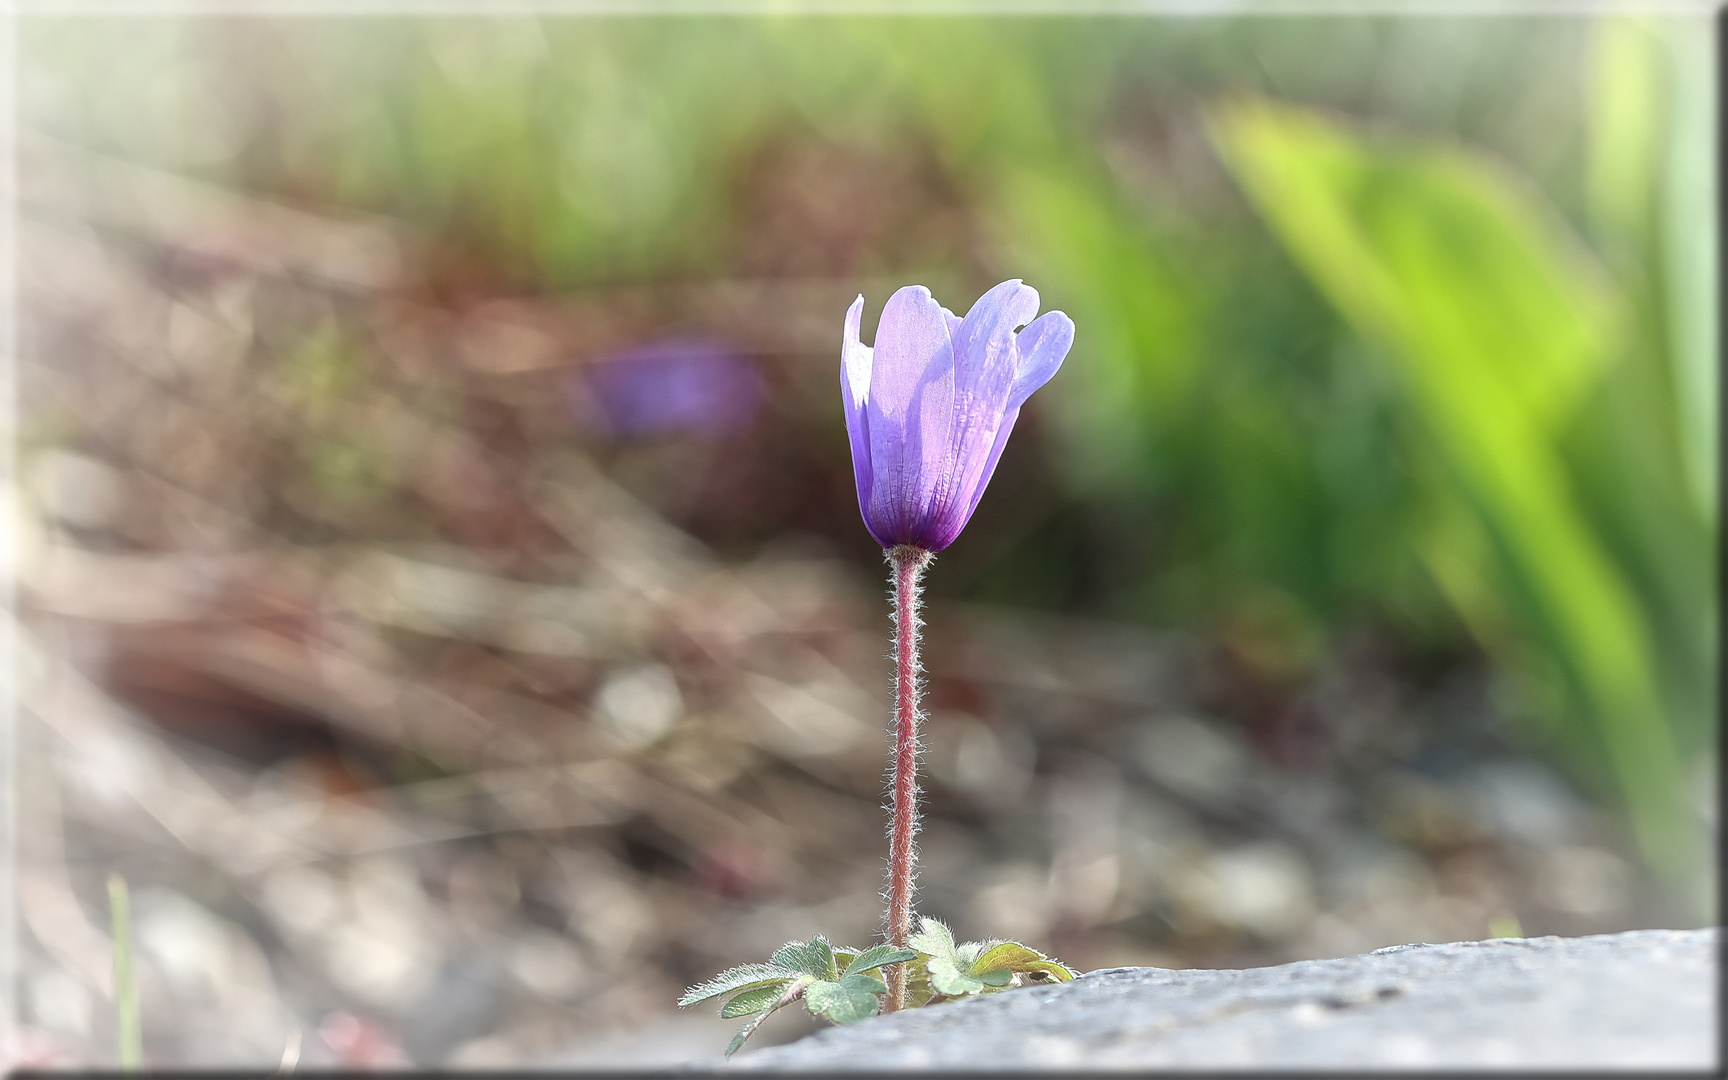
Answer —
(929, 408)
(691, 387)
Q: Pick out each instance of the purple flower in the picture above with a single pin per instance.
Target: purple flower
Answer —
(930, 406)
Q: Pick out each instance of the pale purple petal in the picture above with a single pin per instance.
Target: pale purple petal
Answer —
(910, 411)
(984, 344)
(953, 322)
(1002, 434)
(1042, 347)
(855, 364)
(855, 358)
(985, 364)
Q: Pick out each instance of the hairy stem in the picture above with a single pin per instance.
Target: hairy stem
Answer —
(907, 568)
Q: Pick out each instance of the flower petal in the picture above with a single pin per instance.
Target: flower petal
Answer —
(1002, 432)
(1042, 347)
(855, 358)
(910, 413)
(953, 322)
(855, 363)
(984, 344)
(985, 364)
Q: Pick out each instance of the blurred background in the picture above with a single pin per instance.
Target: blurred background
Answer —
(442, 596)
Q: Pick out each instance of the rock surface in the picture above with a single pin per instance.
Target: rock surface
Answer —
(1643, 999)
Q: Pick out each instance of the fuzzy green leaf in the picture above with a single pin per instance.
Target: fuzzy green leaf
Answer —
(754, 1000)
(824, 954)
(840, 1004)
(999, 978)
(814, 957)
(789, 992)
(918, 991)
(744, 977)
(870, 984)
(745, 1032)
(878, 956)
(933, 939)
(1013, 956)
(946, 978)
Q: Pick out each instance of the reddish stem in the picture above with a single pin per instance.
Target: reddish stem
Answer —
(907, 564)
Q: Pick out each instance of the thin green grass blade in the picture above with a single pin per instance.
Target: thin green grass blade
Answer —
(128, 1024)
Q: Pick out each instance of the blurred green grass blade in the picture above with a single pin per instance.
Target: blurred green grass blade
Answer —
(1644, 453)
(1432, 251)
(1648, 177)
(1689, 230)
(1497, 326)
(130, 1032)
(1625, 124)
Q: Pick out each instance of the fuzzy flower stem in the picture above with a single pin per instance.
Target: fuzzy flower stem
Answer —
(907, 564)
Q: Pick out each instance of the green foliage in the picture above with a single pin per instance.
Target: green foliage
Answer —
(945, 970)
(846, 1001)
(1018, 959)
(753, 1001)
(870, 959)
(814, 957)
(836, 983)
(1502, 335)
(128, 1028)
(737, 1041)
(746, 977)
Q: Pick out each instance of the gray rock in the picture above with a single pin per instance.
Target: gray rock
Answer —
(1643, 999)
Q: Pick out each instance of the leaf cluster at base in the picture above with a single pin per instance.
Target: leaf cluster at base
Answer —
(836, 983)
(944, 971)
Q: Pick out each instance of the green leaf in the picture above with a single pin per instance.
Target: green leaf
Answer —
(878, 956)
(754, 1000)
(1015, 957)
(744, 977)
(824, 954)
(787, 994)
(745, 1032)
(870, 984)
(840, 1004)
(814, 957)
(945, 970)
(918, 990)
(933, 939)
(946, 978)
